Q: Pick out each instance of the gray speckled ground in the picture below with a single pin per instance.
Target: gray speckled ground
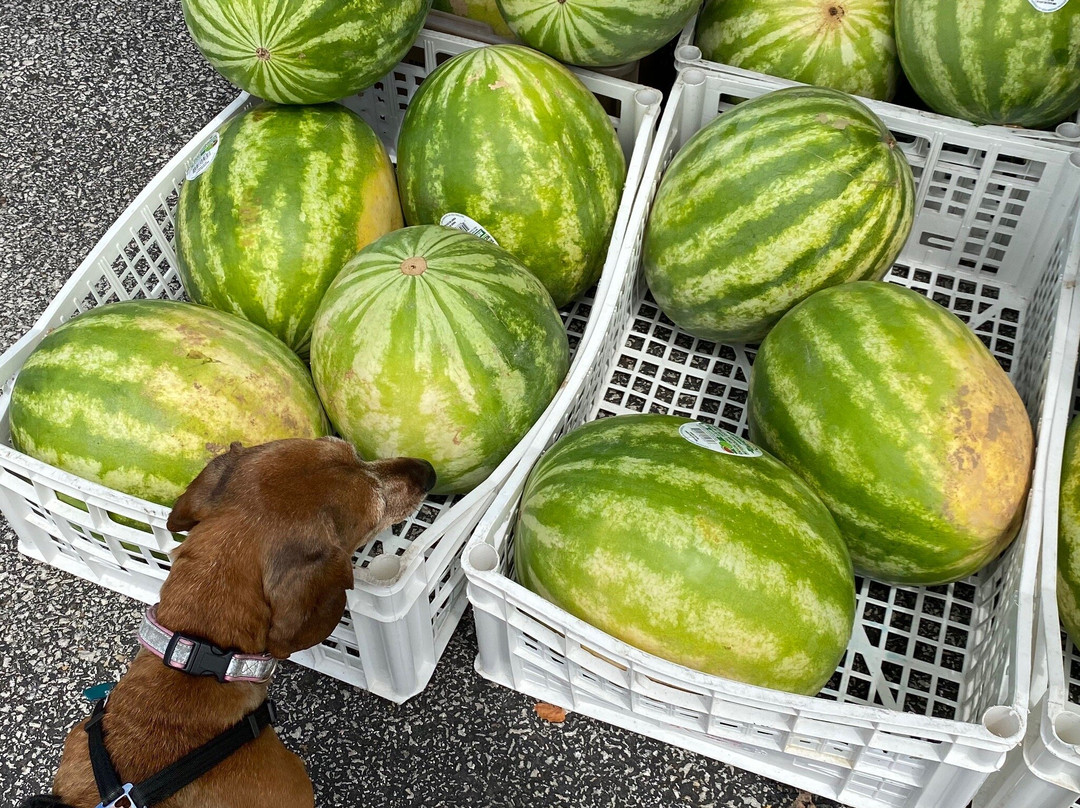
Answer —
(96, 96)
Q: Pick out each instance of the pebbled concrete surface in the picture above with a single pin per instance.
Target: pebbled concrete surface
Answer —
(95, 96)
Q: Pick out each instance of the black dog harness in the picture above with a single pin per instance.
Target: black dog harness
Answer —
(205, 659)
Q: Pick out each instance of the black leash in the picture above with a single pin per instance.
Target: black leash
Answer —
(168, 781)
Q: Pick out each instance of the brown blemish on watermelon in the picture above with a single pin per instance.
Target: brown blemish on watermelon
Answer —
(835, 123)
(988, 460)
(498, 85)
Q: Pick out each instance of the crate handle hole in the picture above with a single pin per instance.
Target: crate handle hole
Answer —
(1002, 721)
(1070, 130)
(1067, 727)
(484, 558)
(385, 567)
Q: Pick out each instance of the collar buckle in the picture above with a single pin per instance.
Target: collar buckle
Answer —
(203, 659)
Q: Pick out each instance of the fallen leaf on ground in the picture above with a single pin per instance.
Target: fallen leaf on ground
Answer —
(549, 712)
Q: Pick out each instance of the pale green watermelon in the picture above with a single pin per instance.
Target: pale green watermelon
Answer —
(436, 344)
(139, 396)
(791, 192)
(513, 140)
(485, 11)
(847, 45)
(1068, 569)
(597, 33)
(304, 51)
(291, 195)
(726, 563)
(903, 423)
(993, 61)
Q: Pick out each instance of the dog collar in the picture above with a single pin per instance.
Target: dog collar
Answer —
(200, 658)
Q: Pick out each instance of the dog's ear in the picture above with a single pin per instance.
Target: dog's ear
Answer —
(196, 502)
(304, 581)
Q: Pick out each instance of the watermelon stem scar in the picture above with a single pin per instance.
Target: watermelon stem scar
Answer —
(263, 54)
(414, 266)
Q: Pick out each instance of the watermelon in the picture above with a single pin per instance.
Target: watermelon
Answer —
(139, 396)
(308, 52)
(485, 11)
(513, 140)
(847, 45)
(597, 33)
(901, 420)
(291, 195)
(788, 193)
(647, 528)
(436, 344)
(1068, 564)
(993, 61)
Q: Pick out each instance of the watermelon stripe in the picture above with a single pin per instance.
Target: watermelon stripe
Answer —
(992, 61)
(688, 554)
(453, 365)
(304, 53)
(1068, 569)
(797, 190)
(851, 50)
(596, 32)
(513, 140)
(139, 396)
(916, 463)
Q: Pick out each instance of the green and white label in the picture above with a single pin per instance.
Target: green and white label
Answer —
(719, 440)
(459, 221)
(205, 157)
(1048, 5)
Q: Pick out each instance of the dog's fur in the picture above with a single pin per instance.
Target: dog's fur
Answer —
(264, 568)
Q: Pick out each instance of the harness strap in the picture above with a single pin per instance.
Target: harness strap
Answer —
(159, 787)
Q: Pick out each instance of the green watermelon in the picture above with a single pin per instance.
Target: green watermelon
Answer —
(140, 395)
(726, 563)
(901, 420)
(847, 45)
(788, 193)
(434, 343)
(993, 61)
(597, 33)
(513, 140)
(291, 195)
(304, 51)
(485, 11)
(1068, 568)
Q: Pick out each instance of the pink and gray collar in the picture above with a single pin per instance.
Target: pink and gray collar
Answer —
(201, 658)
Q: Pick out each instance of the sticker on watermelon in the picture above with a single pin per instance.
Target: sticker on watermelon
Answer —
(459, 221)
(205, 157)
(1048, 5)
(719, 440)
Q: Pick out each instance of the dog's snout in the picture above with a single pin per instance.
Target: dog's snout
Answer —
(428, 475)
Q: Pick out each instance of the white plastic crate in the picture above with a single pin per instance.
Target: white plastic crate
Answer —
(482, 32)
(1067, 133)
(933, 689)
(1045, 771)
(409, 590)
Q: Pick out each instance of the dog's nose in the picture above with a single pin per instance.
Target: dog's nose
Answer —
(430, 479)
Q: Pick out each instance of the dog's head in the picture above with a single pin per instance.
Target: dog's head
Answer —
(299, 509)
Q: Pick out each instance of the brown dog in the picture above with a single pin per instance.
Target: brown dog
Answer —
(264, 569)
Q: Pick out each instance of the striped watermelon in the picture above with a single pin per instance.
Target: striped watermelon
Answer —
(293, 193)
(1068, 569)
(900, 419)
(788, 193)
(847, 45)
(140, 395)
(304, 51)
(512, 139)
(485, 11)
(992, 61)
(436, 344)
(597, 33)
(726, 563)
